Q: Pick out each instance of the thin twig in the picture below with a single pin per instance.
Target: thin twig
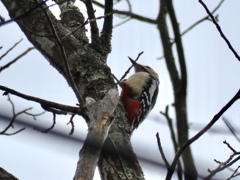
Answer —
(16, 58)
(229, 146)
(50, 128)
(121, 23)
(234, 173)
(72, 124)
(223, 165)
(35, 115)
(11, 48)
(161, 151)
(15, 115)
(125, 74)
(170, 125)
(203, 19)
(129, 18)
(231, 128)
(128, 13)
(220, 30)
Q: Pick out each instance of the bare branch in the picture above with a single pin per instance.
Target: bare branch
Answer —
(72, 124)
(179, 45)
(170, 125)
(229, 146)
(51, 127)
(203, 19)
(235, 173)
(10, 49)
(231, 128)
(173, 137)
(93, 24)
(129, 14)
(220, 30)
(15, 115)
(15, 59)
(121, 23)
(199, 134)
(106, 34)
(167, 47)
(223, 165)
(161, 151)
(44, 103)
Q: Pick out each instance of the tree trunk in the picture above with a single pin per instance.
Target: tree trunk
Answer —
(83, 65)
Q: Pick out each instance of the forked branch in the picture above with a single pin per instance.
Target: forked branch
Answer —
(199, 134)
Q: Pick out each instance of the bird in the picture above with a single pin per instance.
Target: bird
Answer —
(139, 93)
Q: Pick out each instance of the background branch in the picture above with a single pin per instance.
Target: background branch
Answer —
(223, 165)
(231, 128)
(128, 13)
(16, 59)
(220, 30)
(10, 49)
(199, 134)
(203, 19)
(161, 151)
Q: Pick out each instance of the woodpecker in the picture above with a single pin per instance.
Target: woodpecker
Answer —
(139, 94)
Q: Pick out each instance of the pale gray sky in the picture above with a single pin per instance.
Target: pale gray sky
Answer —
(213, 74)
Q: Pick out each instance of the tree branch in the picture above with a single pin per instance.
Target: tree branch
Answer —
(129, 14)
(16, 59)
(106, 34)
(93, 24)
(231, 128)
(10, 49)
(203, 19)
(179, 46)
(174, 141)
(220, 30)
(161, 151)
(44, 103)
(223, 165)
(200, 133)
(167, 47)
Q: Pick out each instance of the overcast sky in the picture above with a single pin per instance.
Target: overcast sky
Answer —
(213, 79)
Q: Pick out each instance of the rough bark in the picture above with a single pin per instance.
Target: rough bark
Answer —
(4, 175)
(101, 116)
(83, 65)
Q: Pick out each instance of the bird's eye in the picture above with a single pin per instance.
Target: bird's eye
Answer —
(148, 67)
